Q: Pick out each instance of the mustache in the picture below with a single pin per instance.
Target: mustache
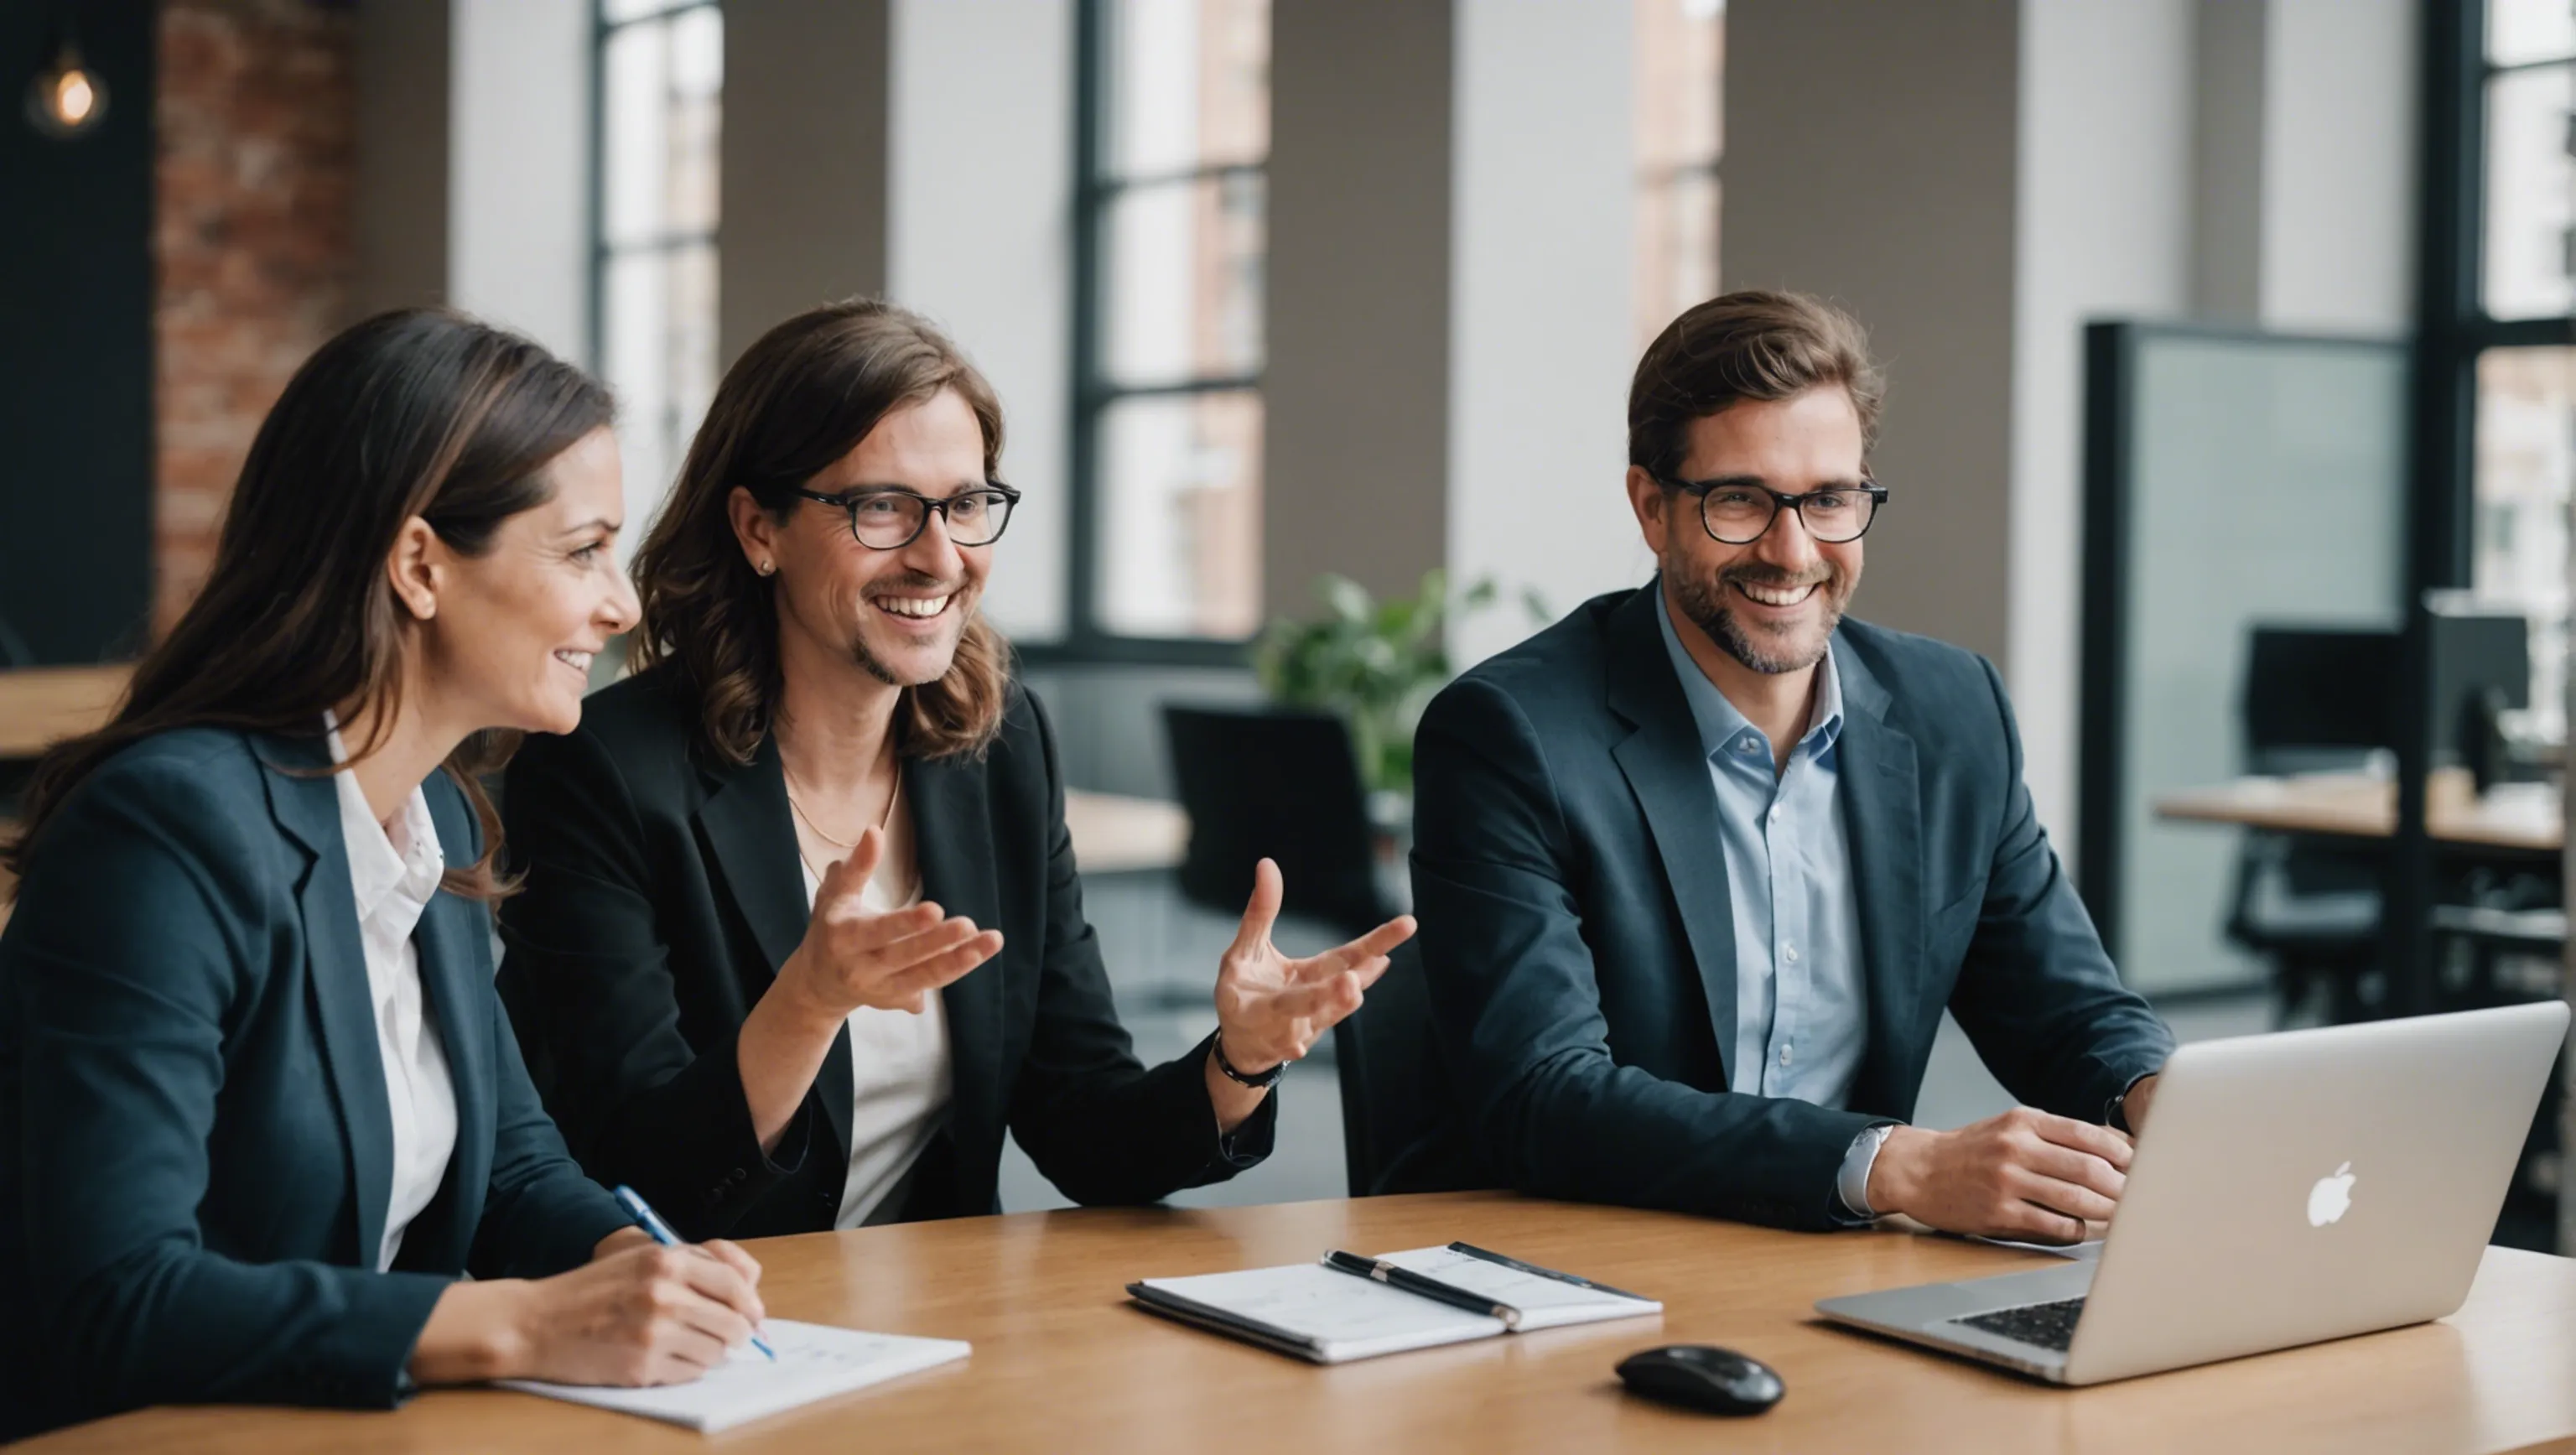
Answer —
(1752, 573)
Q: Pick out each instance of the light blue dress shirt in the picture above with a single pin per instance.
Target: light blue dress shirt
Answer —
(1801, 1020)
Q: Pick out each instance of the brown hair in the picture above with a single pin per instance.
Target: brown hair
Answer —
(421, 412)
(797, 400)
(1750, 345)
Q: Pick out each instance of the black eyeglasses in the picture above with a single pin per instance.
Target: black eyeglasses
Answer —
(1738, 514)
(889, 519)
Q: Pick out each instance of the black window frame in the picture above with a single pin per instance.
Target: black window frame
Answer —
(2453, 330)
(1085, 638)
(601, 251)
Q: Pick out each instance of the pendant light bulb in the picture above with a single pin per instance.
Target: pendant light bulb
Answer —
(67, 98)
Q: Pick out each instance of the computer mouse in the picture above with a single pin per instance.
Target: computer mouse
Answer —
(1704, 1377)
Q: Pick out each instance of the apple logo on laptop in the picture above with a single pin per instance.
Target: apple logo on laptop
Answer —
(2331, 1198)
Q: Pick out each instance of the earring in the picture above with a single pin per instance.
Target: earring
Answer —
(768, 568)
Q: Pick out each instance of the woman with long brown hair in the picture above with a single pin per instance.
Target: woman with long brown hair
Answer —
(802, 933)
(259, 1108)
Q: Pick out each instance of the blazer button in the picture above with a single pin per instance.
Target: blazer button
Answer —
(739, 1175)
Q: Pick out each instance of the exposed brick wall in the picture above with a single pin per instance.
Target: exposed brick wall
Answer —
(257, 128)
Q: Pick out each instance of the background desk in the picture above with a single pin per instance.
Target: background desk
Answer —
(2524, 817)
(1061, 1363)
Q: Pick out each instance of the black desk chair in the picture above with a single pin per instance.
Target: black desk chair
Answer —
(2314, 699)
(1283, 784)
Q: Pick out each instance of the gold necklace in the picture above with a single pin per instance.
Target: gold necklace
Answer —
(885, 825)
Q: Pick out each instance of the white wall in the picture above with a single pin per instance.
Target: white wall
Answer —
(2104, 229)
(518, 218)
(979, 237)
(2339, 165)
(1542, 277)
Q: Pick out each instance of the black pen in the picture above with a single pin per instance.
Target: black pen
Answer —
(1532, 1269)
(1431, 1288)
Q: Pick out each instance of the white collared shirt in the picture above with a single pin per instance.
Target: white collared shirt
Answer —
(394, 876)
(901, 1073)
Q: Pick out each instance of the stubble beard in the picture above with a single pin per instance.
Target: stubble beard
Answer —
(1703, 600)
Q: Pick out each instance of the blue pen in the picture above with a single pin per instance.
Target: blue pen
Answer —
(660, 1232)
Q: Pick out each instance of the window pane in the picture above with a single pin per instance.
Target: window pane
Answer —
(2531, 193)
(1181, 298)
(635, 141)
(2526, 464)
(617, 10)
(1680, 69)
(697, 86)
(1180, 516)
(1188, 84)
(2520, 31)
(659, 354)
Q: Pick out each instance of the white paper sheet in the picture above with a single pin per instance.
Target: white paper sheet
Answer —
(815, 1361)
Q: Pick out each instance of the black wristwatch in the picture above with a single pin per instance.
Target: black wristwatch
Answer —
(1258, 1081)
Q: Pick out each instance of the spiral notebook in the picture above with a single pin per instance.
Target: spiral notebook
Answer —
(1318, 1312)
(815, 1361)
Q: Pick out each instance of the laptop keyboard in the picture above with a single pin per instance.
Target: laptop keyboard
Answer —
(2047, 1325)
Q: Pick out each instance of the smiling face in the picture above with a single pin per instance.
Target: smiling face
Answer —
(510, 634)
(894, 614)
(1772, 605)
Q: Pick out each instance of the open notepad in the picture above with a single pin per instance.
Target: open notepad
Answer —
(1317, 1312)
(814, 1362)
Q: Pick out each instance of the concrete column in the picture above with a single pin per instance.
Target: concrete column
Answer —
(401, 194)
(1356, 445)
(1871, 157)
(804, 157)
(1541, 343)
(518, 214)
(979, 237)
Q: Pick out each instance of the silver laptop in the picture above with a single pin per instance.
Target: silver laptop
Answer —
(2290, 1188)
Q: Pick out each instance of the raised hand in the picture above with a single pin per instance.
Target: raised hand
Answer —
(1270, 1008)
(852, 958)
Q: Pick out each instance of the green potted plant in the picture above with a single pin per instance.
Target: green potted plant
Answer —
(1376, 663)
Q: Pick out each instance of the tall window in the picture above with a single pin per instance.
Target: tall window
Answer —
(2518, 331)
(661, 75)
(1172, 244)
(1681, 67)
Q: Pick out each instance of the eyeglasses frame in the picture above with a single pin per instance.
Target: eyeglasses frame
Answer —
(1780, 500)
(848, 501)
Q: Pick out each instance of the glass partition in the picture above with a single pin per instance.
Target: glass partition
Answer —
(2232, 480)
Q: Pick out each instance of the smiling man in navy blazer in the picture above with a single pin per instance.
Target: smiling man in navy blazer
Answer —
(1699, 866)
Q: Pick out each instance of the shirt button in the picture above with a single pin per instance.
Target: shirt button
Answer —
(1789, 953)
(1784, 1055)
(1744, 745)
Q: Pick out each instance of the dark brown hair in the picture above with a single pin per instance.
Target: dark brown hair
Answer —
(797, 400)
(421, 412)
(1751, 345)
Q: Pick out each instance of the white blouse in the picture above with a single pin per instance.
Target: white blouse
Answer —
(394, 876)
(901, 1074)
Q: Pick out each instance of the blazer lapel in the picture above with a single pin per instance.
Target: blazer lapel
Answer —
(751, 834)
(1883, 810)
(450, 977)
(952, 831)
(306, 806)
(1665, 769)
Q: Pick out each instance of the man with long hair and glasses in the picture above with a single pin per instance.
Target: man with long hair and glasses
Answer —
(802, 934)
(1700, 866)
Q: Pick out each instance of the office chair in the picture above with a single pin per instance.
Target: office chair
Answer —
(1401, 1129)
(1280, 783)
(2314, 699)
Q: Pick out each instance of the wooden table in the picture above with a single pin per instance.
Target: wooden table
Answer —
(1062, 1363)
(41, 704)
(1114, 833)
(2525, 817)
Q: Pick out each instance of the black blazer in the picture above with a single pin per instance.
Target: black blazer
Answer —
(195, 1145)
(1579, 948)
(664, 891)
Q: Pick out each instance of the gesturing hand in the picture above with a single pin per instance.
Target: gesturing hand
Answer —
(852, 958)
(1270, 1008)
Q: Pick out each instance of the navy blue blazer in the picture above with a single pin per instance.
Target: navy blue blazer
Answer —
(1577, 935)
(195, 1144)
(663, 896)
